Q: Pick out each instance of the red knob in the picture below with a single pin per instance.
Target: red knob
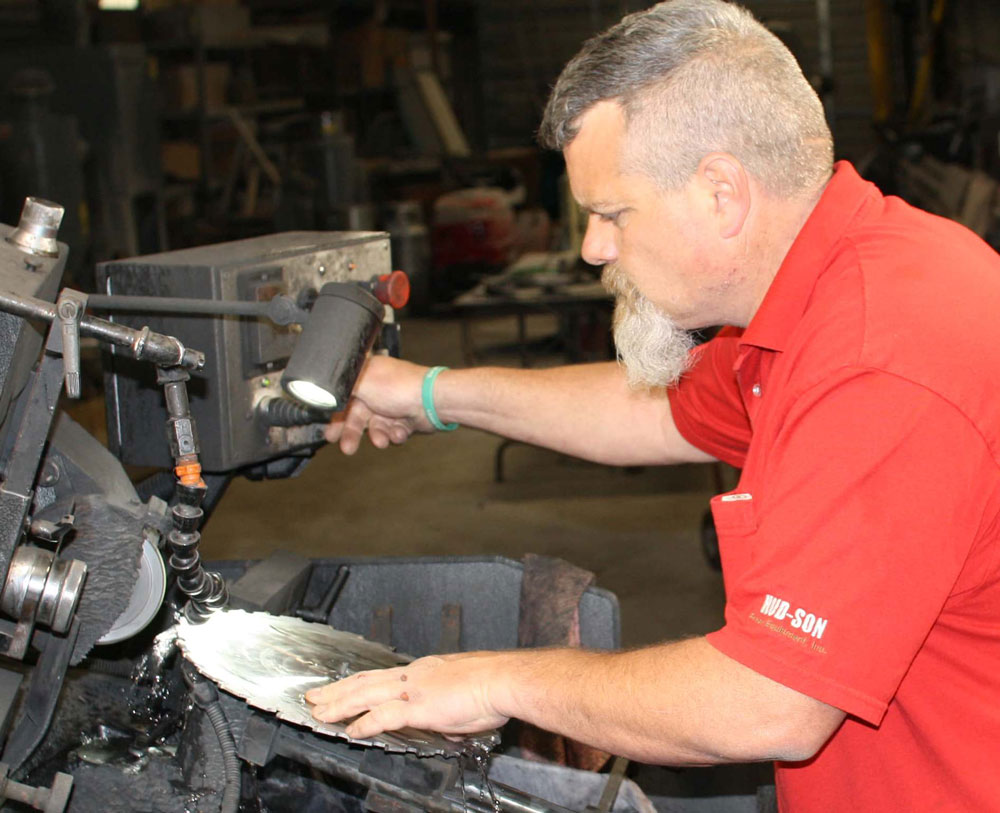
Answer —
(393, 289)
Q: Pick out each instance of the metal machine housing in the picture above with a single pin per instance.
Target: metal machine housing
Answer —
(245, 357)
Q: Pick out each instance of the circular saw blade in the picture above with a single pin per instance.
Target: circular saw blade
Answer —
(271, 661)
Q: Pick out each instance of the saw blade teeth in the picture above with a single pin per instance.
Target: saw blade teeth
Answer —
(270, 661)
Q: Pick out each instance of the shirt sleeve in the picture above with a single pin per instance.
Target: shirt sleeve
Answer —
(706, 405)
(845, 539)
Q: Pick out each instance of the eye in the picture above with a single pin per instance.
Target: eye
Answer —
(608, 217)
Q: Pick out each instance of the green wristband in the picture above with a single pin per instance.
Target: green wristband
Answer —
(427, 398)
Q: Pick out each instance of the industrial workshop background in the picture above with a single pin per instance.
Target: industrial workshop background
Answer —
(182, 123)
(164, 125)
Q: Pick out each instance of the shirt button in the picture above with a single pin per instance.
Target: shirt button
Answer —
(756, 390)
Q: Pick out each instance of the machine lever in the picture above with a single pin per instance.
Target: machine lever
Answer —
(69, 308)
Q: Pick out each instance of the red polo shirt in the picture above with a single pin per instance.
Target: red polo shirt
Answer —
(860, 549)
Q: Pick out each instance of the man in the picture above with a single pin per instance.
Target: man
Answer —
(855, 388)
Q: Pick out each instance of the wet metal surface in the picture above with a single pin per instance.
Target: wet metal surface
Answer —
(272, 661)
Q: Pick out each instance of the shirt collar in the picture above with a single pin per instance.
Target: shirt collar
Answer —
(785, 301)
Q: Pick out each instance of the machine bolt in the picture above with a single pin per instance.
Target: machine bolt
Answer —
(322, 270)
(50, 474)
(36, 231)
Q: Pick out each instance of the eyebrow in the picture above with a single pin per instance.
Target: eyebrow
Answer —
(597, 206)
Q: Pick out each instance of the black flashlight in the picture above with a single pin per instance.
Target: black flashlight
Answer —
(343, 324)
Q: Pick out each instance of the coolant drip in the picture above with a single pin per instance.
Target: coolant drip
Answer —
(481, 756)
(151, 692)
(112, 746)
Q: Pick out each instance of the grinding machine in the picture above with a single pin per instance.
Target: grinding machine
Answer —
(135, 677)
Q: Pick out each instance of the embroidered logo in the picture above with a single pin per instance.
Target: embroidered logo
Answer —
(779, 610)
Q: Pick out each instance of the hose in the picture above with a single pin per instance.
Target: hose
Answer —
(206, 592)
(283, 412)
(160, 484)
(105, 666)
(206, 697)
(231, 762)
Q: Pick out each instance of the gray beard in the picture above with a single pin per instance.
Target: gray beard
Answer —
(653, 350)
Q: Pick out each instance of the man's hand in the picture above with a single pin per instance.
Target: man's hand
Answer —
(450, 694)
(386, 402)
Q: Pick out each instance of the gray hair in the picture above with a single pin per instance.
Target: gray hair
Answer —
(695, 77)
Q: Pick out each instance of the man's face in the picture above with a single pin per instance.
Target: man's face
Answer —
(653, 245)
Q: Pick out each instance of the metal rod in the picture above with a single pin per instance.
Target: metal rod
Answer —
(27, 306)
(144, 344)
(176, 304)
(280, 309)
(611, 787)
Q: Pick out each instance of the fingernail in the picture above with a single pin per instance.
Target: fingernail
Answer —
(318, 711)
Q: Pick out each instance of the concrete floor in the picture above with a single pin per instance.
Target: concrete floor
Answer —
(638, 531)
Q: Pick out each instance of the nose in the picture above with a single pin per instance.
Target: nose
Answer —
(599, 242)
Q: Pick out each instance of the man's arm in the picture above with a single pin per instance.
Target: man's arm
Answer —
(681, 703)
(583, 410)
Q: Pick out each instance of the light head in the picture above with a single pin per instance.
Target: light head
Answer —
(329, 355)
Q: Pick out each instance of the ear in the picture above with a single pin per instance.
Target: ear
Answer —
(726, 181)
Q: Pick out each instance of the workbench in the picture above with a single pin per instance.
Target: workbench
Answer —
(581, 304)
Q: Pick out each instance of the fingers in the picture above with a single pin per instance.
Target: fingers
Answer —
(355, 694)
(390, 716)
(383, 431)
(448, 695)
(349, 427)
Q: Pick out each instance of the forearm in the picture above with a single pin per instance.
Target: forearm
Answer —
(583, 410)
(677, 704)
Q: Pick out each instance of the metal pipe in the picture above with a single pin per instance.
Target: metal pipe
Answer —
(144, 344)
(512, 800)
(280, 309)
(176, 304)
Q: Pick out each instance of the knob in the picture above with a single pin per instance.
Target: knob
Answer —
(36, 231)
